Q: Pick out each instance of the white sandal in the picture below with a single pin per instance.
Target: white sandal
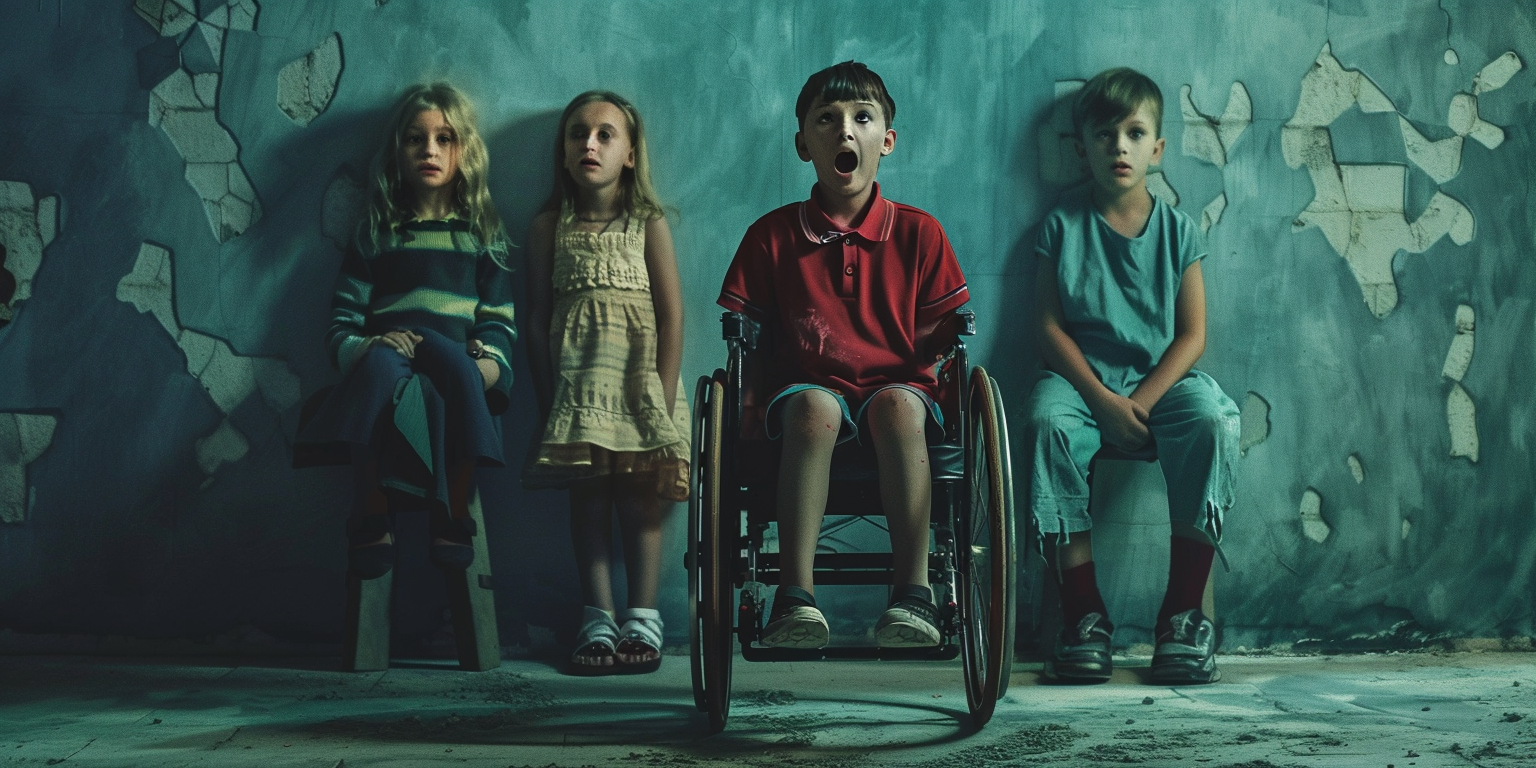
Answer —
(597, 639)
(643, 628)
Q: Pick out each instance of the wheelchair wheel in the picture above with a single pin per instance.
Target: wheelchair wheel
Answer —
(695, 536)
(709, 580)
(986, 559)
(1011, 569)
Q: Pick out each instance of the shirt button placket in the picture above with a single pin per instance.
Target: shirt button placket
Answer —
(850, 259)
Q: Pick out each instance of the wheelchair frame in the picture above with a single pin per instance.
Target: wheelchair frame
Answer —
(972, 563)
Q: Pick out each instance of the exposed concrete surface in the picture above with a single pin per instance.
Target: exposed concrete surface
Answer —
(1254, 425)
(230, 378)
(1459, 709)
(305, 87)
(23, 438)
(27, 226)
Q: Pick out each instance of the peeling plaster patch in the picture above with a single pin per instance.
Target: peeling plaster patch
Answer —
(1254, 423)
(1359, 208)
(1440, 159)
(27, 226)
(1356, 469)
(1459, 358)
(1461, 416)
(305, 86)
(1158, 185)
(167, 17)
(1209, 138)
(1407, 527)
(1451, 57)
(225, 445)
(183, 103)
(228, 377)
(1312, 525)
(1211, 216)
(1496, 74)
(344, 201)
(23, 437)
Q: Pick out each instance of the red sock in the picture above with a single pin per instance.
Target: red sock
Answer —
(1080, 594)
(1189, 567)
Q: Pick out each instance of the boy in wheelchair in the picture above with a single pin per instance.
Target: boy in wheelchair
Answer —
(852, 286)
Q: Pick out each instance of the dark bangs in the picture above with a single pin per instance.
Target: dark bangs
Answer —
(1112, 95)
(848, 81)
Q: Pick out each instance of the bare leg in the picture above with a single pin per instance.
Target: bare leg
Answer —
(640, 517)
(461, 486)
(592, 539)
(896, 419)
(1075, 552)
(811, 421)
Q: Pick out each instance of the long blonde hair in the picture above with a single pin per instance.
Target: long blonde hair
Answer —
(391, 202)
(636, 194)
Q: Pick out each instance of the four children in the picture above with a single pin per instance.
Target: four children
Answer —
(850, 284)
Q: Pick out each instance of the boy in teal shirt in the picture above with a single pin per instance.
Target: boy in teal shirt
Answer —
(1121, 320)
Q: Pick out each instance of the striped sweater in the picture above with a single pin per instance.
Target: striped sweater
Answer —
(431, 274)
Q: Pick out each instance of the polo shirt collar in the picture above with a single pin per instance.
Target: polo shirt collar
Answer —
(876, 227)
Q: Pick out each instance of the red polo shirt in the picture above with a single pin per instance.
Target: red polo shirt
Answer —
(844, 307)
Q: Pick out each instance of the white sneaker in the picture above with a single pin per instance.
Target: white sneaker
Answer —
(800, 627)
(906, 625)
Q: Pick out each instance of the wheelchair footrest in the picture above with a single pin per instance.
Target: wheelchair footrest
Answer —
(851, 653)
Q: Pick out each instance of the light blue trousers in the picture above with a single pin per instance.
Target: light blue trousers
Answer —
(1195, 427)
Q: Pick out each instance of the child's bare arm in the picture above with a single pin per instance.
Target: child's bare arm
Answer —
(1188, 341)
(1122, 421)
(667, 297)
(540, 301)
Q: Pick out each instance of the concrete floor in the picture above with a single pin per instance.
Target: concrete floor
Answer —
(1419, 709)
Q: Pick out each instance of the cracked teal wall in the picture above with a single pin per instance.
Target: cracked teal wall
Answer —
(163, 507)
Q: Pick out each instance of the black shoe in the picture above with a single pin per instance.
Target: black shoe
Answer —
(1186, 655)
(365, 559)
(459, 551)
(1082, 652)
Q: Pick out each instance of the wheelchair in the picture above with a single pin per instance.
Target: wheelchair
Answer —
(972, 558)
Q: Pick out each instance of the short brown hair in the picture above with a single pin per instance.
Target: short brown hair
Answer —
(1112, 95)
(848, 81)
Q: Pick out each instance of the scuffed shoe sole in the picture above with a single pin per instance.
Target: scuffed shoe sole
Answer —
(801, 627)
(900, 628)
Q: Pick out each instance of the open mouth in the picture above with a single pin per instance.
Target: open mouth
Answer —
(845, 162)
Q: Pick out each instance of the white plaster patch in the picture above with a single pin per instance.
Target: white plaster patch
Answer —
(1158, 185)
(1360, 208)
(27, 226)
(167, 17)
(1208, 138)
(1496, 73)
(183, 106)
(1451, 57)
(1461, 416)
(345, 198)
(1356, 469)
(225, 445)
(1211, 215)
(23, 438)
(1312, 524)
(1407, 528)
(229, 377)
(1440, 159)
(1254, 423)
(1459, 358)
(305, 87)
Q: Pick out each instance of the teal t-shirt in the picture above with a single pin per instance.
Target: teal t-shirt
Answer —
(1118, 293)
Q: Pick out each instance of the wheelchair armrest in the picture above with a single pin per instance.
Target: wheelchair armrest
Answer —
(734, 326)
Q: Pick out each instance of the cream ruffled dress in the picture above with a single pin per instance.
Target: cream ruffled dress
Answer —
(608, 415)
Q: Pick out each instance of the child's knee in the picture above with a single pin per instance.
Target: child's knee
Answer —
(896, 412)
(811, 415)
